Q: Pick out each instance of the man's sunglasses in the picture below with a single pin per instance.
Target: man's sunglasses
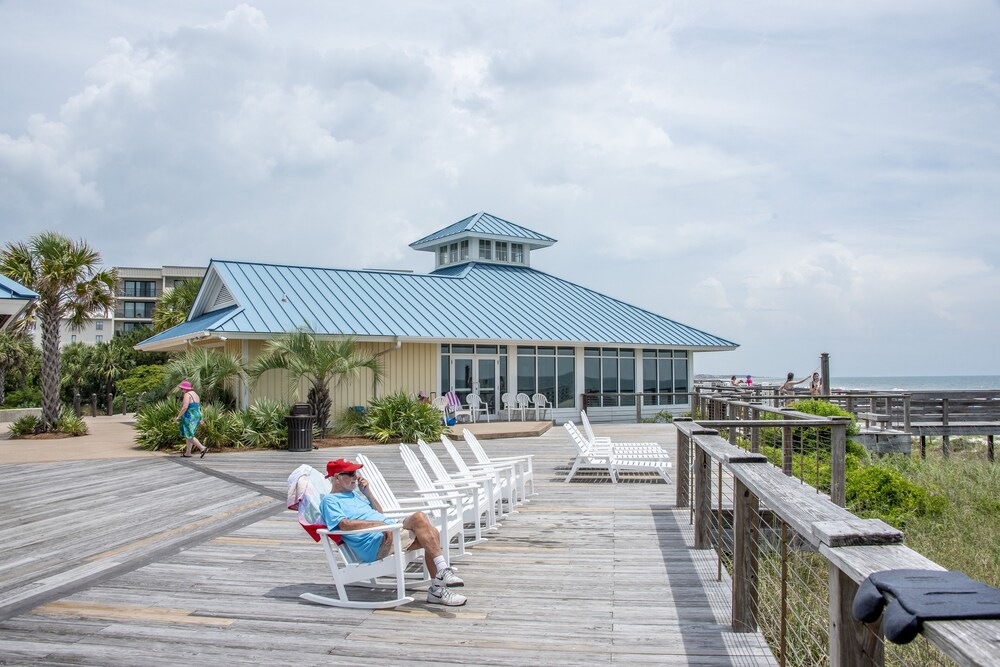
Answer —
(353, 473)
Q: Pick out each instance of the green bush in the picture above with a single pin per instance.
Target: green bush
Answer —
(147, 380)
(264, 425)
(69, 423)
(661, 417)
(27, 425)
(400, 416)
(156, 427)
(883, 492)
(349, 422)
(219, 428)
(29, 397)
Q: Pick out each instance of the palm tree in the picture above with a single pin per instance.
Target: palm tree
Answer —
(15, 349)
(77, 360)
(173, 307)
(319, 361)
(209, 371)
(112, 363)
(70, 286)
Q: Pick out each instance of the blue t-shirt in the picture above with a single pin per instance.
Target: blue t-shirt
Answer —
(353, 506)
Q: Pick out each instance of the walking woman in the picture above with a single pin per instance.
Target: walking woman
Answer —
(189, 418)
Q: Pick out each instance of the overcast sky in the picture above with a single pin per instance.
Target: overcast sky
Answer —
(796, 177)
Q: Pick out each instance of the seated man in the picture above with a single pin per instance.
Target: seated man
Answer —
(350, 506)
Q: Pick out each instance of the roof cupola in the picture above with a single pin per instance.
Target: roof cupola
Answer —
(482, 238)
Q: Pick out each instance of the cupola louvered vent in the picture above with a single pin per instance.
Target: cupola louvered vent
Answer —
(223, 299)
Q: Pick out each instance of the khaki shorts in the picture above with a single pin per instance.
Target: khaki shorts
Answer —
(407, 538)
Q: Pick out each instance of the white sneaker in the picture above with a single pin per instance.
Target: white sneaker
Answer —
(447, 577)
(437, 594)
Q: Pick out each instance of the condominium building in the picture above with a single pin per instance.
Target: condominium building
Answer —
(137, 292)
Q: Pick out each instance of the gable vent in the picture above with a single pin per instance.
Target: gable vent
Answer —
(223, 299)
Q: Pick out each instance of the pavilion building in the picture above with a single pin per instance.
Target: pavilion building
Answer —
(483, 320)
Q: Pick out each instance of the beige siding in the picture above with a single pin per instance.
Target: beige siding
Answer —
(411, 368)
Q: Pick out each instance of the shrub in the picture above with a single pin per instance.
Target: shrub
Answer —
(27, 425)
(219, 428)
(29, 397)
(401, 416)
(883, 492)
(156, 426)
(148, 380)
(350, 421)
(70, 424)
(661, 417)
(264, 425)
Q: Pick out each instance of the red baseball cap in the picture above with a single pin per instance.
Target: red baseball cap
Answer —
(341, 465)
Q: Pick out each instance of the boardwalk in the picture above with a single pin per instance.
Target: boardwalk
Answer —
(164, 561)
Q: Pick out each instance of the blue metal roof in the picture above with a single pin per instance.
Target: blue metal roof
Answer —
(10, 289)
(484, 224)
(472, 302)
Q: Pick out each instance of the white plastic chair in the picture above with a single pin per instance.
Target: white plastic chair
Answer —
(589, 437)
(523, 403)
(441, 403)
(541, 403)
(489, 481)
(478, 406)
(605, 457)
(504, 474)
(526, 470)
(466, 499)
(509, 403)
(455, 405)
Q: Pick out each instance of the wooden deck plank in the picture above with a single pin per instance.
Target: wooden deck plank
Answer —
(584, 574)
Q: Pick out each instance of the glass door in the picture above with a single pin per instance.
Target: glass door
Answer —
(486, 379)
(462, 379)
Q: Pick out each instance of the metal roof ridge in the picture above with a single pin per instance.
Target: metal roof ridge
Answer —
(396, 272)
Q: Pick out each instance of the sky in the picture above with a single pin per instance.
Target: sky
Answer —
(795, 177)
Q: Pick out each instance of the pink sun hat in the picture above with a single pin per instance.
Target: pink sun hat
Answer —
(186, 386)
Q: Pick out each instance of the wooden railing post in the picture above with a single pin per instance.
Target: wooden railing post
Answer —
(989, 449)
(906, 413)
(746, 541)
(702, 499)
(638, 408)
(754, 431)
(683, 465)
(786, 450)
(851, 643)
(945, 440)
(838, 461)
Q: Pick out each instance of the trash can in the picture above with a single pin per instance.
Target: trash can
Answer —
(300, 428)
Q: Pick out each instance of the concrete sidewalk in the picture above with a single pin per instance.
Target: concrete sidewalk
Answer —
(109, 438)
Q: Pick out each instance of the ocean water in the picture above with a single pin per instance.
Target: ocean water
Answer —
(902, 383)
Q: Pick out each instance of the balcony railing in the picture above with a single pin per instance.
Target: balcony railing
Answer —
(133, 293)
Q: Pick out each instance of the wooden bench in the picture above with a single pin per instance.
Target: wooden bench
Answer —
(884, 421)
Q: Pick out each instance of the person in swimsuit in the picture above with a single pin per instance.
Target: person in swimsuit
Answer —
(788, 387)
(816, 385)
(189, 418)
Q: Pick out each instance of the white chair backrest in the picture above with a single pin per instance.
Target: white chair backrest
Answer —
(507, 399)
(578, 440)
(455, 456)
(477, 449)
(377, 484)
(539, 400)
(440, 402)
(416, 469)
(434, 462)
(523, 401)
(587, 430)
(473, 401)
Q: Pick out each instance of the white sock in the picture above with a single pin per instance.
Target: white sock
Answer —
(439, 564)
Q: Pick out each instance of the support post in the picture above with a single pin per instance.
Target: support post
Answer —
(124, 403)
(702, 499)
(638, 409)
(786, 450)
(683, 466)
(945, 439)
(110, 404)
(838, 461)
(76, 404)
(138, 401)
(824, 372)
(93, 404)
(923, 446)
(746, 540)
(989, 449)
(906, 413)
(851, 643)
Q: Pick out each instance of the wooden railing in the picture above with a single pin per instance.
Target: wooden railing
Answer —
(642, 402)
(777, 518)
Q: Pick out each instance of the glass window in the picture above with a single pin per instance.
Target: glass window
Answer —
(445, 371)
(485, 249)
(525, 373)
(566, 382)
(138, 309)
(453, 252)
(463, 250)
(72, 339)
(591, 377)
(681, 379)
(443, 255)
(649, 379)
(462, 349)
(141, 288)
(98, 338)
(99, 326)
(486, 349)
(501, 251)
(626, 377)
(547, 378)
(517, 253)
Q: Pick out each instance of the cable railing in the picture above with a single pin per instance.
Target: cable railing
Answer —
(793, 554)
